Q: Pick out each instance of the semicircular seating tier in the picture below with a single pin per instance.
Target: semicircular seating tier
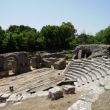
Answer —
(86, 71)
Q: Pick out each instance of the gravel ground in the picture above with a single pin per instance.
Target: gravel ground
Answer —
(43, 103)
(103, 102)
(38, 79)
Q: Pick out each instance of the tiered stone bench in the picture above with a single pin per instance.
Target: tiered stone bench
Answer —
(86, 70)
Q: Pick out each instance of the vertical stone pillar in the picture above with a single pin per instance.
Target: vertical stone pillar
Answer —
(79, 54)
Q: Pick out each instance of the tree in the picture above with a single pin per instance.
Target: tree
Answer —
(9, 43)
(58, 37)
(103, 36)
(107, 35)
(30, 40)
(2, 36)
(68, 34)
(99, 37)
(24, 36)
(83, 38)
(51, 37)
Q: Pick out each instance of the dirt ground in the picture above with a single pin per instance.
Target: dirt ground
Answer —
(38, 79)
(43, 103)
(103, 103)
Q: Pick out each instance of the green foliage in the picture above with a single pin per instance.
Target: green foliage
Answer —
(58, 37)
(51, 37)
(83, 38)
(20, 38)
(2, 35)
(69, 55)
(103, 36)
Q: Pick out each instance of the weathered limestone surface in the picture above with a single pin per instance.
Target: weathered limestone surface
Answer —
(36, 61)
(53, 55)
(21, 62)
(18, 62)
(61, 64)
(15, 98)
(46, 63)
(93, 50)
(91, 68)
(69, 89)
(47, 60)
(55, 93)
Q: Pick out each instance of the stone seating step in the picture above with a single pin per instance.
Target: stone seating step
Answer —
(84, 81)
(89, 70)
(92, 73)
(82, 73)
(100, 67)
(89, 78)
(97, 71)
(86, 69)
(79, 80)
(91, 61)
(102, 73)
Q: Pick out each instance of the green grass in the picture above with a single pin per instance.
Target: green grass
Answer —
(69, 55)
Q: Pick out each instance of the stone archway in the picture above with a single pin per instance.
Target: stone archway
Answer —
(82, 53)
(11, 64)
(86, 53)
(14, 63)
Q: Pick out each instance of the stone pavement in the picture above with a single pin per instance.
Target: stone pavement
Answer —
(93, 90)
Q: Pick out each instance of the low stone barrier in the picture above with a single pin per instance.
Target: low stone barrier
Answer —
(68, 89)
(60, 64)
(47, 63)
(55, 93)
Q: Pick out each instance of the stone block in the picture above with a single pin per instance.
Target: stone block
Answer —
(61, 64)
(68, 89)
(55, 93)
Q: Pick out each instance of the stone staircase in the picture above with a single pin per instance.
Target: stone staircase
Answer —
(86, 70)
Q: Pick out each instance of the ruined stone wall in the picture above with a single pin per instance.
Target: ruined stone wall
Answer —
(60, 64)
(53, 55)
(18, 62)
(21, 62)
(48, 60)
(93, 50)
(36, 61)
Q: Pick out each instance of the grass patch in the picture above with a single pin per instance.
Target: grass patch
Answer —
(69, 55)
